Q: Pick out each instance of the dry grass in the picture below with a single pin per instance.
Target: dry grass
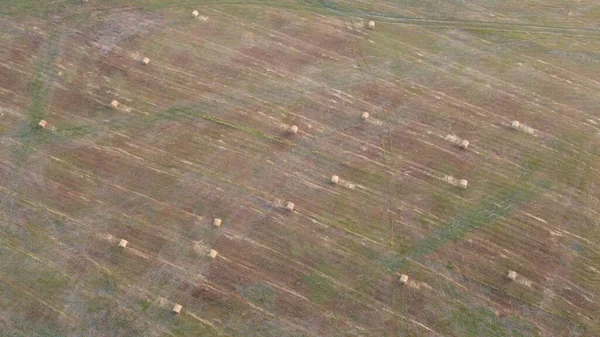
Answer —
(200, 133)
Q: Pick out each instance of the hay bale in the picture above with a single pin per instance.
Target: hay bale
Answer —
(177, 308)
(217, 222)
(335, 179)
(213, 253)
(195, 13)
(114, 104)
(512, 275)
(463, 183)
(289, 206)
(43, 124)
(365, 115)
(123, 243)
(403, 279)
(294, 129)
(371, 24)
(464, 144)
(146, 60)
(515, 124)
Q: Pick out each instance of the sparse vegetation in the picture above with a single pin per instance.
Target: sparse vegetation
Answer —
(200, 133)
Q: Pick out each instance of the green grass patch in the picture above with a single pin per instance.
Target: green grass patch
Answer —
(475, 323)
(79, 130)
(97, 304)
(102, 283)
(105, 317)
(145, 304)
(52, 284)
(260, 294)
(577, 169)
(320, 289)
(489, 210)
(33, 7)
(444, 205)
(40, 92)
(344, 223)
(40, 87)
(348, 223)
(172, 114)
(393, 263)
(485, 213)
(243, 128)
(188, 327)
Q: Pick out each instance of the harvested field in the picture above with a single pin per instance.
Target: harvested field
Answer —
(202, 133)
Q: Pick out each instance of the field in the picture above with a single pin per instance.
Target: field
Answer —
(202, 132)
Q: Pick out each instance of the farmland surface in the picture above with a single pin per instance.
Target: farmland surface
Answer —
(202, 132)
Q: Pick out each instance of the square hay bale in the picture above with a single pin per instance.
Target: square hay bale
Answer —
(289, 206)
(43, 124)
(195, 13)
(365, 115)
(464, 144)
(371, 24)
(123, 243)
(146, 60)
(294, 129)
(512, 275)
(217, 222)
(515, 124)
(463, 183)
(114, 104)
(213, 253)
(403, 279)
(335, 179)
(177, 308)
